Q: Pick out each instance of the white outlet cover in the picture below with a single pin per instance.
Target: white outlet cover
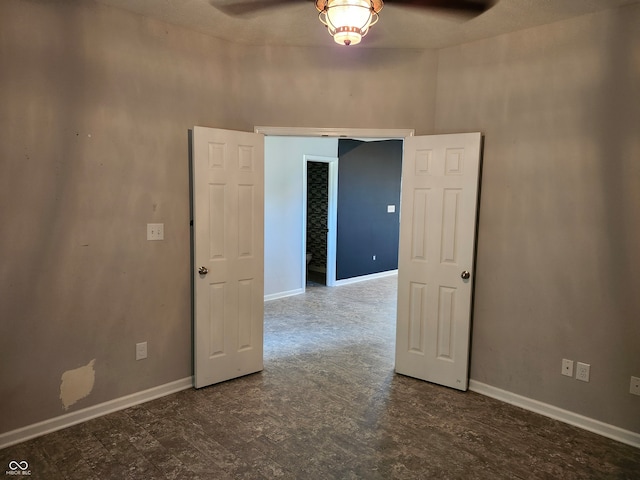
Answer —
(567, 367)
(391, 208)
(582, 371)
(141, 351)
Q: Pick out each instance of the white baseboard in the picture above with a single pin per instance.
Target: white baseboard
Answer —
(63, 421)
(580, 421)
(363, 278)
(289, 293)
(58, 423)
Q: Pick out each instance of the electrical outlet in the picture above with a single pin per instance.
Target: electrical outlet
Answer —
(374, 257)
(141, 351)
(567, 367)
(582, 371)
(635, 386)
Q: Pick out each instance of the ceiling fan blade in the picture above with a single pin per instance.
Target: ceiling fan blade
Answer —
(470, 6)
(246, 7)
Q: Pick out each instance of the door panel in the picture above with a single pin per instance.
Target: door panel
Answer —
(228, 207)
(437, 241)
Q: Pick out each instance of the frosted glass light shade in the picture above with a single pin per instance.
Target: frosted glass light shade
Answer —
(348, 20)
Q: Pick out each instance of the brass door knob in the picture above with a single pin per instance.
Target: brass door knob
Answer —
(203, 270)
(465, 275)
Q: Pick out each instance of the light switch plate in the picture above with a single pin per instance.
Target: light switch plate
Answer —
(155, 231)
(634, 388)
(391, 208)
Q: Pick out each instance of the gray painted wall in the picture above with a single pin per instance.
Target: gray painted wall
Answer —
(559, 230)
(96, 105)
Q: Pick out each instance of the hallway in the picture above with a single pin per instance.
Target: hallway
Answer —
(327, 406)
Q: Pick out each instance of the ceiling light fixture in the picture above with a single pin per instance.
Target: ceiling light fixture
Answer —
(348, 20)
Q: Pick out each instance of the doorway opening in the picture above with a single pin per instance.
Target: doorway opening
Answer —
(287, 150)
(317, 225)
(320, 187)
(439, 185)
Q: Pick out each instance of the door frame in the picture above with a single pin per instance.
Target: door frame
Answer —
(381, 133)
(332, 216)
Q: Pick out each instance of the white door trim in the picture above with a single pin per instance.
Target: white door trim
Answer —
(336, 132)
(332, 221)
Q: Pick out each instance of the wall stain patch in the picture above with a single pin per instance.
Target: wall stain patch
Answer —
(77, 384)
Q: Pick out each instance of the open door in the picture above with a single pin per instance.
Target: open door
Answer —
(436, 257)
(228, 226)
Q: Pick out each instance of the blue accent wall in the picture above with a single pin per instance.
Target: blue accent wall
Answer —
(369, 176)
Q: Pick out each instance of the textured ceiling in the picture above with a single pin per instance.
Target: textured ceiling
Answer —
(296, 24)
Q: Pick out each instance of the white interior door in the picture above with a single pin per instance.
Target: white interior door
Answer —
(436, 257)
(228, 225)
